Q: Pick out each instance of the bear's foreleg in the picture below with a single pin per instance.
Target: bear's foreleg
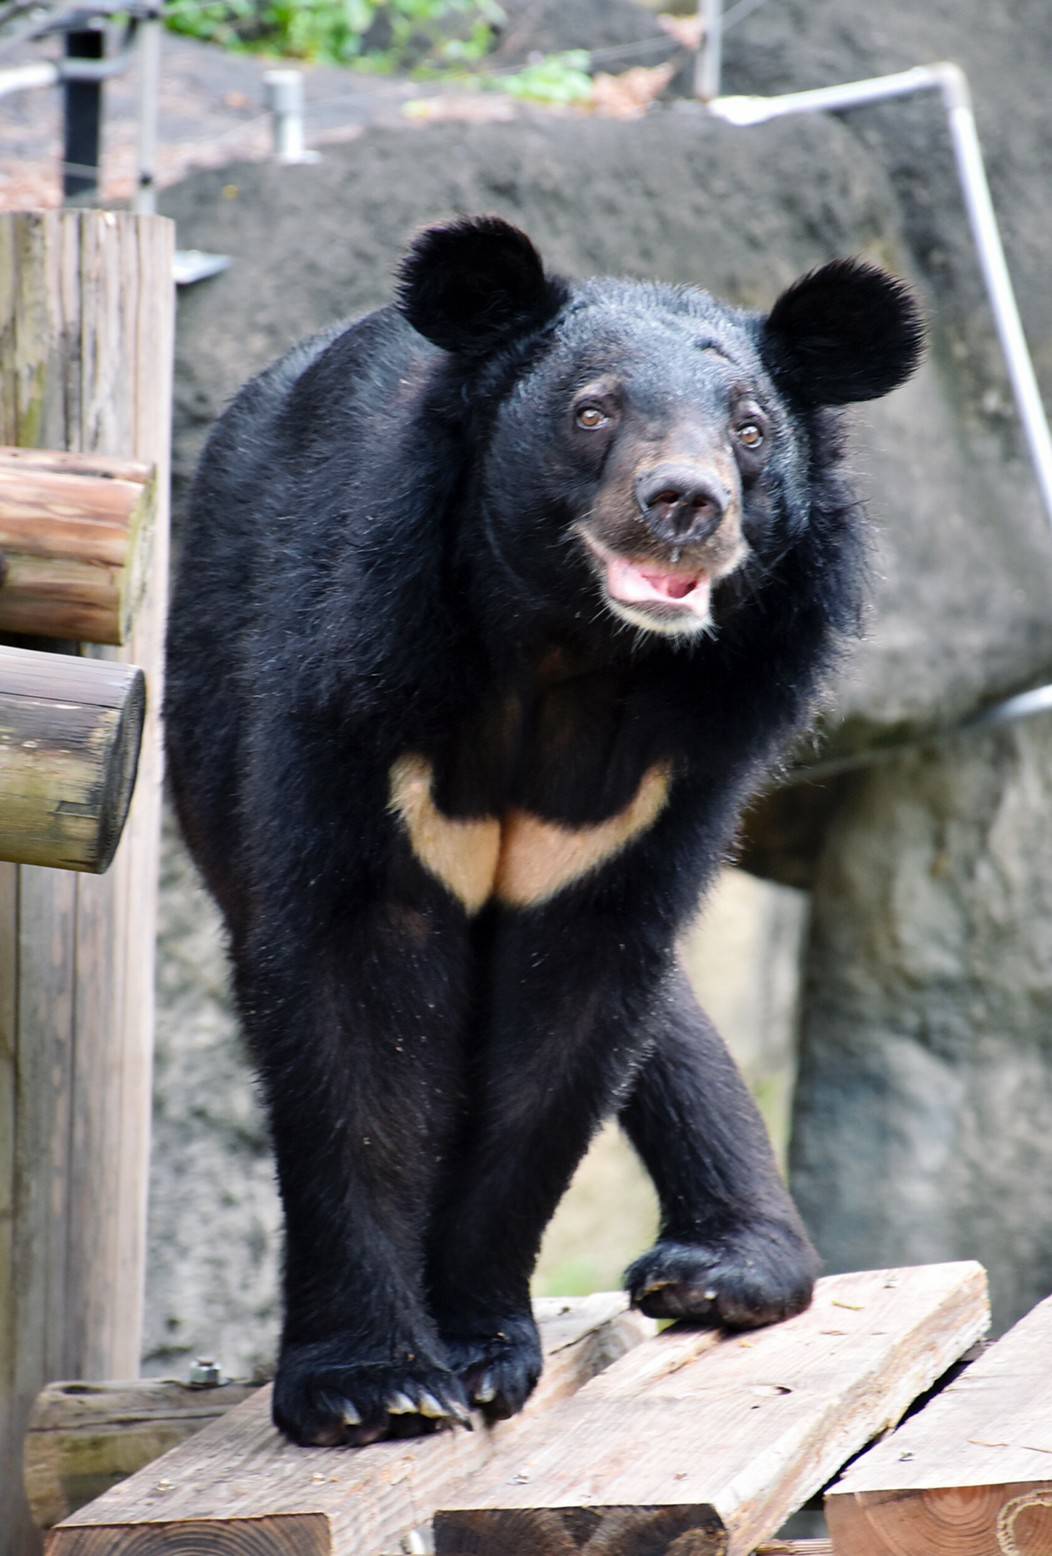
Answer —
(358, 1035)
(732, 1249)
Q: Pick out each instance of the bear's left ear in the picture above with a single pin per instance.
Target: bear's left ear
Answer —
(469, 286)
(848, 331)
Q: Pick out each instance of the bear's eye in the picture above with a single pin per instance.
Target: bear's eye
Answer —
(590, 417)
(750, 433)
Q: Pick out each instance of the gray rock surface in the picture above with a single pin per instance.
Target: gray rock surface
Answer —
(929, 1004)
(214, 1217)
(925, 1086)
(963, 577)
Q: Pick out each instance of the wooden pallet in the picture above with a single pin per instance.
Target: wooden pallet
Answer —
(688, 1444)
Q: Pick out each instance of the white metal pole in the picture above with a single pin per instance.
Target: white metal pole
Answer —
(709, 64)
(950, 81)
(981, 215)
(144, 202)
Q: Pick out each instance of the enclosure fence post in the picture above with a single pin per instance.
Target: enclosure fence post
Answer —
(283, 97)
(86, 323)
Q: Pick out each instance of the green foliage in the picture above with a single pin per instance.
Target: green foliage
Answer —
(556, 79)
(378, 34)
(213, 21)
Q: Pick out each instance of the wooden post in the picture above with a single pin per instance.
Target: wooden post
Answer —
(70, 731)
(86, 309)
(74, 544)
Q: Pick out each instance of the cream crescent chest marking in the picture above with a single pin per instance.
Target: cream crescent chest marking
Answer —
(523, 860)
(462, 854)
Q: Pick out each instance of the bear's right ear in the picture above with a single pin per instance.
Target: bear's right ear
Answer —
(469, 286)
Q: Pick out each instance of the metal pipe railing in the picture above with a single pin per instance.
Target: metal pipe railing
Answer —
(951, 83)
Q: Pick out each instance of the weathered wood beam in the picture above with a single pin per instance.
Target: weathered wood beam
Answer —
(713, 1446)
(84, 1438)
(971, 1473)
(795, 1548)
(86, 316)
(238, 1489)
(70, 731)
(74, 539)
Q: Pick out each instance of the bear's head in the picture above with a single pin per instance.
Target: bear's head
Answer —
(639, 449)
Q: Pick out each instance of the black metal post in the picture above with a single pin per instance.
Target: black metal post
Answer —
(83, 120)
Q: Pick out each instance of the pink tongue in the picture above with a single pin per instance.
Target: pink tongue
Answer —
(668, 583)
(633, 585)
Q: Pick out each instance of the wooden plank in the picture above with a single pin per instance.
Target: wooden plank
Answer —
(67, 762)
(86, 312)
(712, 1448)
(971, 1473)
(74, 537)
(795, 1548)
(237, 1474)
(84, 1438)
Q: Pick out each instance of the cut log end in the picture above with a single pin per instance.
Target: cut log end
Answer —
(70, 734)
(616, 1531)
(299, 1534)
(120, 772)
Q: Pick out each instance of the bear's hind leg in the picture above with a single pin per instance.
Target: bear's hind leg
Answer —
(732, 1250)
(566, 1004)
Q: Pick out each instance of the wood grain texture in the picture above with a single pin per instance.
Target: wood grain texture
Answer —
(70, 733)
(795, 1548)
(84, 1438)
(705, 1449)
(239, 1471)
(86, 313)
(75, 532)
(971, 1473)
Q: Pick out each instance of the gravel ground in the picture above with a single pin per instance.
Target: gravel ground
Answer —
(211, 111)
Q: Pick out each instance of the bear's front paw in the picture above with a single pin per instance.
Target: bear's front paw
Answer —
(325, 1395)
(498, 1362)
(760, 1274)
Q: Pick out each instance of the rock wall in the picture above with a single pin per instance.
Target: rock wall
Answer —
(926, 1022)
(925, 1087)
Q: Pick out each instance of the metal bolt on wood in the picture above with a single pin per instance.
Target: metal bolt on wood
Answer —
(205, 1373)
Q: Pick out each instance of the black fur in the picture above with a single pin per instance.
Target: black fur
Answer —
(845, 332)
(398, 550)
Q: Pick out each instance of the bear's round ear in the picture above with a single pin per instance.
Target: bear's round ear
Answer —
(848, 331)
(469, 286)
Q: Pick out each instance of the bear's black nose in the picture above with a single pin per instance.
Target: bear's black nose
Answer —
(680, 502)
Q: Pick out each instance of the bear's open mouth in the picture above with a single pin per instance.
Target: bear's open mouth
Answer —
(650, 586)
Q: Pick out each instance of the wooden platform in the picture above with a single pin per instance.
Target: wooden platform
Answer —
(687, 1443)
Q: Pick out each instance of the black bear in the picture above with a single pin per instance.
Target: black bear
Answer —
(493, 609)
